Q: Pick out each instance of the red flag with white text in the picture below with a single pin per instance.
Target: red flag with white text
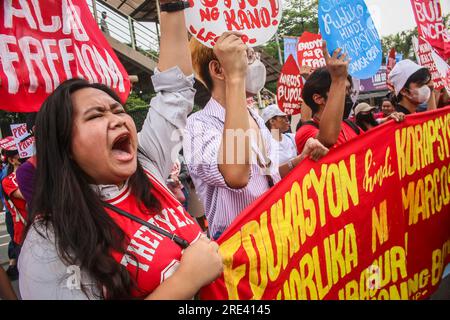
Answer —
(45, 42)
(430, 25)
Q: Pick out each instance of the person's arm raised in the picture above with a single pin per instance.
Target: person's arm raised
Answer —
(173, 82)
(232, 55)
(174, 48)
(330, 121)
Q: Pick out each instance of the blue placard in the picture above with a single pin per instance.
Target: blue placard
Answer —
(347, 24)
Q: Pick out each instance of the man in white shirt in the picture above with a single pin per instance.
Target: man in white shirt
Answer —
(278, 124)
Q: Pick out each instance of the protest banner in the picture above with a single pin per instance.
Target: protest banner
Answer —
(310, 50)
(430, 25)
(390, 64)
(290, 47)
(377, 82)
(371, 220)
(347, 24)
(43, 43)
(257, 20)
(289, 88)
(424, 53)
(443, 69)
(23, 140)
(7, 143)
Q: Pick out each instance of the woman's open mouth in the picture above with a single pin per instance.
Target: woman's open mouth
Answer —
(121, 148)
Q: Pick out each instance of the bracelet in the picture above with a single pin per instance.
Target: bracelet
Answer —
(290, 165)
(175, 6)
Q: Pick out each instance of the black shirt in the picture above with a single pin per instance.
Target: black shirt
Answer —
(400, 108)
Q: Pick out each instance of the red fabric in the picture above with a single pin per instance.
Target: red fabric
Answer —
(368, 221)
(430, 25)
(308, 131)
(158, 256)
(39, 54)
(378, 115)
(16, 206)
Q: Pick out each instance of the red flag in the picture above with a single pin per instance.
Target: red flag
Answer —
(43, 43)
(389, 66)
(430, 25)
(289, 88)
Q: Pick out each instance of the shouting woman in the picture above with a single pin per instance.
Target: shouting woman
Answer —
(103, 225)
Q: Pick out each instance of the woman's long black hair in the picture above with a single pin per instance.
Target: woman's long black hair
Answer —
(84, 232)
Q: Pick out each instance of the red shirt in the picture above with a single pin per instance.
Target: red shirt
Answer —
(158, 255)
(307, 131)
(16, 206)
(378, 115)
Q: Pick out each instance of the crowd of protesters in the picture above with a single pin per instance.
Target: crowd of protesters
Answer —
(101, 211)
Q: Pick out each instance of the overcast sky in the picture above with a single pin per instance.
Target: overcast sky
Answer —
(392, 16)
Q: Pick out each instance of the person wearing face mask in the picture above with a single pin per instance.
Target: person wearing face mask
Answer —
(278, 123)
(227, 146)
(413, 87)
(364, 116)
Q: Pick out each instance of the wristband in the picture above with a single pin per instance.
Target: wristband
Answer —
(290, 165)
(174, 6)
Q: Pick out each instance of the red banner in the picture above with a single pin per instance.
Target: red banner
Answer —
(371, 220)
(310, 50)
(430, 25)
(424, 53)
(289, 88)
(43, 43)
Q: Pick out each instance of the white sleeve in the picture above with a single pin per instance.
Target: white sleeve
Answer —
(44, 276)
(160, 137)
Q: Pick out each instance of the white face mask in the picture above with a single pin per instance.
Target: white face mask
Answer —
(256, 77)
(421, 94)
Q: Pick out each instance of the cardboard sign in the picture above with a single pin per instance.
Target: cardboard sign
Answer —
(23, 140)
(347, 24)
(258, 20)
(368, 221)
(310, 50)
(7, 143)
(43, 43)
(443, 69)
(289, 88)
(430, 25)
(424, 53)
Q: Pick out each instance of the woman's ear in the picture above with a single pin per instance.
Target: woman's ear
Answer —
(216, 70)
(271, 122)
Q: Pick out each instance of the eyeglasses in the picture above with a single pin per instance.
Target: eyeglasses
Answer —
(252, 55)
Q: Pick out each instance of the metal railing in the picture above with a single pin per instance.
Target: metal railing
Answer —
(126, 29)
